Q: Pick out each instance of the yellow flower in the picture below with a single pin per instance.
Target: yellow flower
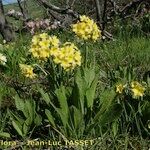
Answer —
(3, 59)
(68, 56)
(42, 46)
(27, 71)
(35, 40)
(86, 29)
(54, 51)
(43, 35)
(137, 89)
(54, 41)
(120, 88)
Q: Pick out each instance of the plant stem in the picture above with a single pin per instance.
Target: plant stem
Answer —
(86, 54)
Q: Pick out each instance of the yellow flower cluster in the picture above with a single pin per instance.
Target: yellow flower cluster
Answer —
(137, 89)
(42, 44)
(68, 56)
(27, 71)
(86, 29)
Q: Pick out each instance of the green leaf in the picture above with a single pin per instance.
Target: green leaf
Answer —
(45, 96)
(26, 111)
(15, 117)
(50, 117)
(78, 118)
(4, 135)
(19, 103)
(115, 128)
(89, 75)
(61, 95)
(90, 93)
(25, 128)
(30, 106)
(28, 121)
(80, 90)
(17, 127)
(85, 82)
(63, 116)
(38, 120)
(106, 99)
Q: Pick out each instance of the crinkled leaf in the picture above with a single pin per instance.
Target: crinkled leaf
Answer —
(19, 103)
(61, 95)
(4, 135)
(17, 127)
(90, 93)
(38, 120)
(78, 118)
(89, 75)
(15, 117)
(63, 116)
(25, 128)
(106, 99)
(45, 96)
(50, 117)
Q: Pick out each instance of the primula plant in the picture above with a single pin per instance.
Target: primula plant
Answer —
(136, 89)
(132, 95)
(60, 91)
(71, 87)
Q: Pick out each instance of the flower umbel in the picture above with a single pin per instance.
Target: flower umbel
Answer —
(27, 71)
(42, 44)
(137, 89)
(3, 59)
(68, 56)
(86, 29)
